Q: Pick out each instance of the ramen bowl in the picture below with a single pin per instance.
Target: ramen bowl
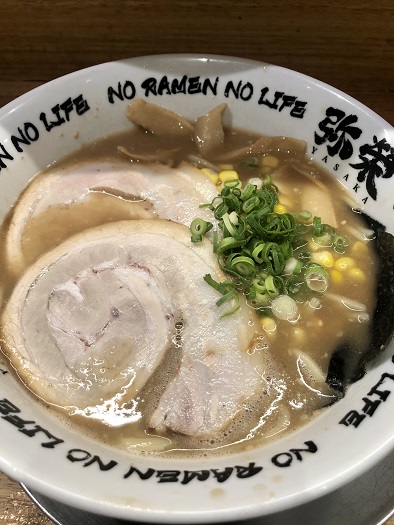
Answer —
(334, 449)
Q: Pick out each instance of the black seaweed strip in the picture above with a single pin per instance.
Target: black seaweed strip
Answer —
(342, 369)
(383, 317)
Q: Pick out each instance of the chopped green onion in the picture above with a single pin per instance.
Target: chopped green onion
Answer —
(226, 297)
(256, 182)
(298, 242)
(305, 256)
(229, 243)
(228, 291)
(325, 239)
(257, 252)
(196, 237)
(258, 284)
(199, 226)
(272, 289)
(252, 163)
(273, 258)
(263, 251)
(285, 308)
(340, 244)
(232, 183)
(215, 241)
(316, 278)
(293, 266)
(250, 204)
(317, 227)
(261, 299)
(244, 266)
(286, 249)
(220, 210)
(230, 223)
(297, 289)
(247, 192)
(220, 287)
(303, 215)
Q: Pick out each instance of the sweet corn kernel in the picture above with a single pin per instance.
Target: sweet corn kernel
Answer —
(269, 161)
(268, 325)
(360, 249)
(315, 322)
(324, 258)
(357, 275)
(285, 200)
(336, 277)
(226, 175)
(211, 174)
(344, 263)
(312, 246)
(279, 208)
(298, 335)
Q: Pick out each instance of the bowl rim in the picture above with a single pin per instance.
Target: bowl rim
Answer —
(313, 491)
(189, 56)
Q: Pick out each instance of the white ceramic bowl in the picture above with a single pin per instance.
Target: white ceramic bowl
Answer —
(324, 455)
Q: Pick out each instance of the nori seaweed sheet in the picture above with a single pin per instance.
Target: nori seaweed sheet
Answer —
(345, 365)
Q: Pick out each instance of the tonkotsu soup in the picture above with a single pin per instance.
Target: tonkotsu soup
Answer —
(183, 288)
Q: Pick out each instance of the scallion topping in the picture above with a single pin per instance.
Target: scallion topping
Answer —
(340, 244)
(244, 266)
(316, 277)
(198, 228)
(303, 215)
(229, 292)
(262, 251)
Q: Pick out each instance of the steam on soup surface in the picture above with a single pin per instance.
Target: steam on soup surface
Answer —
(157, 332)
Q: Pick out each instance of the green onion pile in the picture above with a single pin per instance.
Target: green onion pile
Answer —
(262, 251)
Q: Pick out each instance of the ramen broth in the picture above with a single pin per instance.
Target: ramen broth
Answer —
(294, 379)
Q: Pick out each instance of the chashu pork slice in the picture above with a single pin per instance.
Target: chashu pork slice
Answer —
(88, 323)
(170, 193)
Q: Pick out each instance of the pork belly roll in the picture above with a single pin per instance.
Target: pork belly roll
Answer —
(152, 189)
(89, 323)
